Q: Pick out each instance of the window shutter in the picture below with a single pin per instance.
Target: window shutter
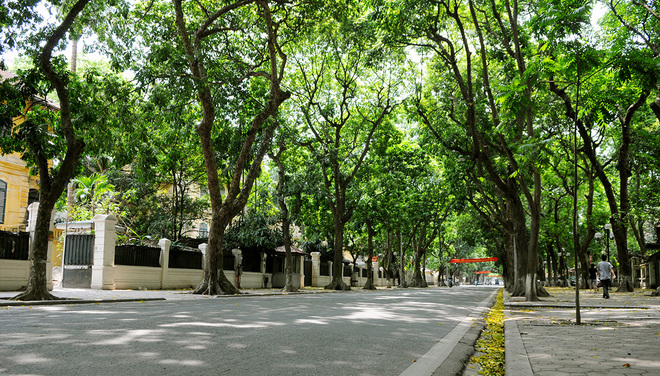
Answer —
(3, 199)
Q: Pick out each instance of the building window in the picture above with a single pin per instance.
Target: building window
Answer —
(203, 230)
(3, 199)
(203, 191)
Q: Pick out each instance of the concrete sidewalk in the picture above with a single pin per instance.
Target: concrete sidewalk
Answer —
(617, 336)
(83, 296)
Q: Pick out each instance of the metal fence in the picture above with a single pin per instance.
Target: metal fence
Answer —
(183, 259)
(324, 269)
(348, 270)
(137, 255)
(228, 262)
(14, 246)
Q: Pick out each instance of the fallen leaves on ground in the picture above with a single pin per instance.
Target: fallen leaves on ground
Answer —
(491, 342)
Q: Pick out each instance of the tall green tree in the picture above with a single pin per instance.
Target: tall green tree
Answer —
(605, 119)
(45, 135)
(485, 58)
(345, 90)
(204, 34)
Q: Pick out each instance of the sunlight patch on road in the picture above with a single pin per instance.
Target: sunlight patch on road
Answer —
(317, 320)
(125, 337)
(30, 358)
(220, 325)
(179, 362)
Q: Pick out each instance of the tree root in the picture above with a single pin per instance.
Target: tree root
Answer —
(418, 282)
(369, 285)
(340, 286)
(625, 285)
(289, 288)
(36, 295)
(541, 291)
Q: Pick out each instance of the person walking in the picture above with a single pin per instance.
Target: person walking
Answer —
(606, 274)
(593, 272)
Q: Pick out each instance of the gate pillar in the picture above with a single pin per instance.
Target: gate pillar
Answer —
(103, 273)
(316, 268)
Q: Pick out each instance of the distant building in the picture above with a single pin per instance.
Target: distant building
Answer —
(18, 188)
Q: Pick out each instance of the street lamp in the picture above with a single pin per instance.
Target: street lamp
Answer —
(607, 228)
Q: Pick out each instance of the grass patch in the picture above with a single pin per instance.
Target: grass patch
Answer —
(491, 342)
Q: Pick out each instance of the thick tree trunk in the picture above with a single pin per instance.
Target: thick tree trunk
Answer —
(531, 288)
(284, 215)
(655, 105)
(239, 189)
(337, 282)
(369, 285)
(418, 278)
(519, 247)
(37, 287)
(288, 285)
(387, 268)
(402, 269)
(215, 281)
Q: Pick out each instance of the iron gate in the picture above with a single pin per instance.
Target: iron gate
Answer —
(78, 261)
(308, 272)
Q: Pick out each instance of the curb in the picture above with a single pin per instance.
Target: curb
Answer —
(516, 360)
(436, 357)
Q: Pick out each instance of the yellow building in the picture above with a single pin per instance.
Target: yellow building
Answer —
(18, 188)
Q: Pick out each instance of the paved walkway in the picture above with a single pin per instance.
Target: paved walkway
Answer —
(617, 336)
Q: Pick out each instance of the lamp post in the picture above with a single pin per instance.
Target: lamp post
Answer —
(561, 265)
(598, 236)
(607, 228)
(567, 256)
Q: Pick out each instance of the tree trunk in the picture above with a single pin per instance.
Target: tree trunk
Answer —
(369, 285)
(286, 233)
(402, 269)
(519, 246)
(388, 257)
(215, 281)
(417, 279)
(337, 282)
(74, 54)
(288, 286)
(37, 287)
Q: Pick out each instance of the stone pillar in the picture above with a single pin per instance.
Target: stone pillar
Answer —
(32, 224)
(301, 260)
(202, 247)
(238, 258)
(263, 270)
(103, 273)
(164, 260)
(238, 265)
(316, 268)
(375, 267)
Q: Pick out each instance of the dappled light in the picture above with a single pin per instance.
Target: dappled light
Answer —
(347, 333)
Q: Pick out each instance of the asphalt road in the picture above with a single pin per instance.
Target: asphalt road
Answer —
(352, 333)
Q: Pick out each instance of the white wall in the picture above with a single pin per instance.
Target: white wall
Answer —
(14, 274)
